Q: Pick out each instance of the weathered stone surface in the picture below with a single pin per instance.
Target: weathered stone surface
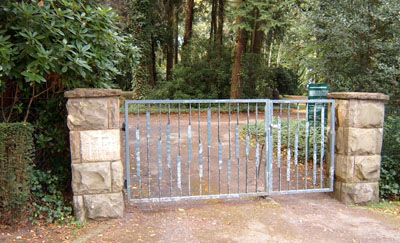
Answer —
(85, 93)
(104, 206)
(341, 140)
(87, 114)
(344, 167)
(367, 168)
(117, 176)
(364, 141)
(337, 190)
(113, 112)
(91, 178)
(342, 113)
(359, 193)
(357, 96)
(79, 208)
(75, 146)
(366, 114)
(100, 145)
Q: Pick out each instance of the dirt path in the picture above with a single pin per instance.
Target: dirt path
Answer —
(294, 218)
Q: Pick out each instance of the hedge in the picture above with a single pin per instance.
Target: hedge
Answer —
(16, 160)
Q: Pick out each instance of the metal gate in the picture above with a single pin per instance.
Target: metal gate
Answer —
(209, 149)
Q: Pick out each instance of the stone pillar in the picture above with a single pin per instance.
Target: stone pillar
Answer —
(359, 133)
(97, 172)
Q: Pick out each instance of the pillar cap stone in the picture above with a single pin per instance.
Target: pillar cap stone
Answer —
(357, 96)
(86, 93)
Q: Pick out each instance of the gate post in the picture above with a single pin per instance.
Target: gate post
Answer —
(97, 172)
(359, 133)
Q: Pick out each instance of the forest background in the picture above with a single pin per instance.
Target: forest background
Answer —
(176, 49)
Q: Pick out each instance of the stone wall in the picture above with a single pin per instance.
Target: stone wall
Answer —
(97, 171)
(359, 133)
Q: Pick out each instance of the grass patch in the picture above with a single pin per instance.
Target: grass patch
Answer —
(387, 207)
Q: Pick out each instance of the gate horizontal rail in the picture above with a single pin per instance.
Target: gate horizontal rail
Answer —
(245, 155)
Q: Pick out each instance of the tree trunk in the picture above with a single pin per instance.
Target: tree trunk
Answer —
(176, 37)
(240, 46)
(213, 19)
(258, 35)
(188, 22)
(278, 59)
(220, 30)
(170, 39)
(152, 64)
(270, 52)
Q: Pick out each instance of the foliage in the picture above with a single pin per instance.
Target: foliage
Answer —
(47, 201)
(390, 166)
(16, 159)
(203, 75)
(47, 47)
(78, 41)
(353, 45)
(284, 135)
(259, 80)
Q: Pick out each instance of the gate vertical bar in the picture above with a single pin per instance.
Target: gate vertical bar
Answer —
(178, 158)
(147, 149)
(189, 145)
(209, 143)
(296, 147)
(169, 150)
(219, 151)
(159, 154)
(138, 174)
(237, 146)
(315, 146)
(306, 150)
(247, 144)
(200, 154)
(332, 143)
(279, 145)
(322, 146)
(257, 149)
(270, 146)
(288, 148)
(266, 146)
(127, 162)
(230, 150)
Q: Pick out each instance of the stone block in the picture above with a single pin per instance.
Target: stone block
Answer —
(367, 168)
(87, 114)
(91, 92)
(75, 146)
(100, 145)
(91, 178)
(344, 167)
(79, 208)
(337, 190)
(117, 176)
(359, 193)
(364, 141)
(104, 206)
(113, 112)
(342, 113)
(341, 140)
(366, 114)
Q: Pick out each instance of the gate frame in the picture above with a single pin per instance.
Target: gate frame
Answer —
(268, 151)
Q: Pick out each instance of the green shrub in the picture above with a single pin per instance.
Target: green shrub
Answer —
(390, 166)
(47, 201)
(284, 135)
(16, 159)
(203, 75)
